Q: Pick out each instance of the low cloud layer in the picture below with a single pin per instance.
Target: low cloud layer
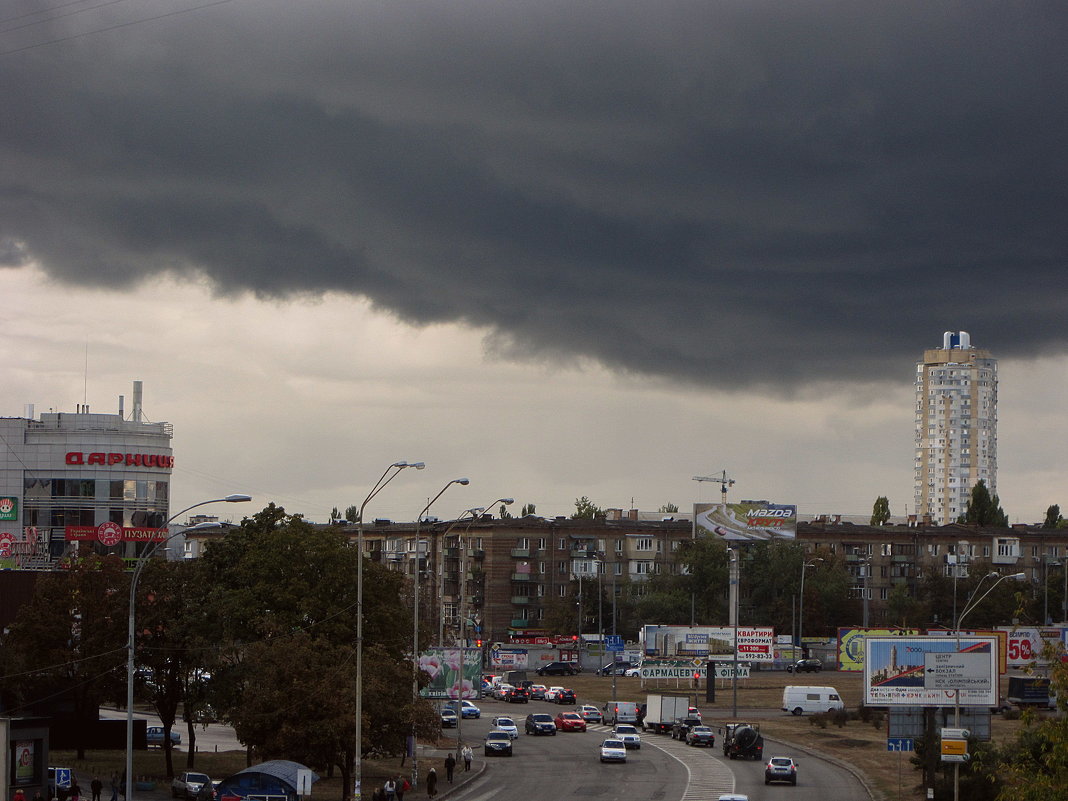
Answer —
(732, 193)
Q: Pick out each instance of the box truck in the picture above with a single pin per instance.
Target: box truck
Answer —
(661, 711)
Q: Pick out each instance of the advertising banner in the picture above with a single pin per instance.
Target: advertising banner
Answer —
(931, 671)
(755, 643)
(453, 672)
(9, 507)
(851, 644)
(1026, 645)
(512, 658)
(113, 533)
(751, 520)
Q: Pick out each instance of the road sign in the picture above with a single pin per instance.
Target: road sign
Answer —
(955, 734)
(954, 747)
(957, 671)
(900, 744)
(613, 642)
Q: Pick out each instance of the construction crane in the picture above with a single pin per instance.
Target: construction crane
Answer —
(722, 480)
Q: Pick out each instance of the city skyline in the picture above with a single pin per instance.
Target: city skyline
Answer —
(563, 251)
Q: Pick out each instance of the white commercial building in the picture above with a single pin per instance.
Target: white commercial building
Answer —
(956, 427)
(81, 480)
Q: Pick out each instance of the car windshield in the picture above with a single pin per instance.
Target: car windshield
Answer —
(197, 777)
(570, 715)
(626, 730)
(542, 718)
(612, 744)
(505, 722)
(702, 729)
(498, 735)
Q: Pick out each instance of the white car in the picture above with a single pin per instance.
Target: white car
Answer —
(635, 671)
(628, 734)
(501, 690)
(734, 797)
(550, 694)
(188, 784)
(508, 725)
(613, 751)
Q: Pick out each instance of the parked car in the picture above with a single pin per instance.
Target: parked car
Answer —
(805, 666)
(570, 721)
(537, 692)
(448, 718)
(556, 669)
(498, 743)
(613, 751)
(539, 723)
(154, 736)
(633, 671)
(628, 734)
(468, 709)
(506, 724)
(780, 769)
(189, 784)
(701, 735)
(591, 714)
(617, 668)
(565, 697)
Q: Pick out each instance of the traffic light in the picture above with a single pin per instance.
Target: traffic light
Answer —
(478, 643)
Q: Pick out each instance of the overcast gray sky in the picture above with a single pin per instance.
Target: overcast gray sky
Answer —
(563, 249)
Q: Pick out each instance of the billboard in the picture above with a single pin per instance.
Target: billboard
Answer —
(755, 643)
(746, 521)
(851, 644)
(453, 672)
(931, 671)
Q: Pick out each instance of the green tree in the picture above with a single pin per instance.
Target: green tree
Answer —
(706, 575)
(1034, 767)
(527, 510)
(504, 514)
(984, 509)
(278, 583)
(352, 513)
(880, 511)
(586, 510)
(1054, 519)
(669, 509)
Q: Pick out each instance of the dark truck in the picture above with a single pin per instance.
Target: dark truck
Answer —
(1031, 691)
(742, 741)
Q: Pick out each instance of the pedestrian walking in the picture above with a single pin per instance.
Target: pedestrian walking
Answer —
(466, 753)
(390, 790)
(114, 785)
(19, 795)
(431, 783)
(403, 786)
(75, 791)
(450, 766)
(97, 787)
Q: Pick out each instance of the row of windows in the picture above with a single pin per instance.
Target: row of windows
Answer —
(113, 489)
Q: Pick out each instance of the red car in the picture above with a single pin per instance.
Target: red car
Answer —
(570, 721)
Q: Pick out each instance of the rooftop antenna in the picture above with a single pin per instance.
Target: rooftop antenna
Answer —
(85, 376)
(722, 480)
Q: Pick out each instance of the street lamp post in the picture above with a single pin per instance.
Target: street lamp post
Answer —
(801, 605)
(865, 590)
(357, 762)
(475, 512)
(733, 603)
(415, 628)
(132, 624)
(969, 605)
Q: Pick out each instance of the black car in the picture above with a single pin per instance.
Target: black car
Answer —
(617, 668)
(681, 727)
(498, 743)
(565, 697)
(519, 695)
(540, 723)
(556, 669)
(805, 666)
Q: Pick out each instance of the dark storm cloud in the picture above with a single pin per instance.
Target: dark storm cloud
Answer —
(726, 192)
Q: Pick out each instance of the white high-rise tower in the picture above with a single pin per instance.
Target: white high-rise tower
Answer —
(956, 427)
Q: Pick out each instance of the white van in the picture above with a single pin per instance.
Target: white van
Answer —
(800, 699)
(621, 712)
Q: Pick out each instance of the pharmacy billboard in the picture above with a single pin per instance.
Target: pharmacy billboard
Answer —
(931, 671)
(746, 521)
